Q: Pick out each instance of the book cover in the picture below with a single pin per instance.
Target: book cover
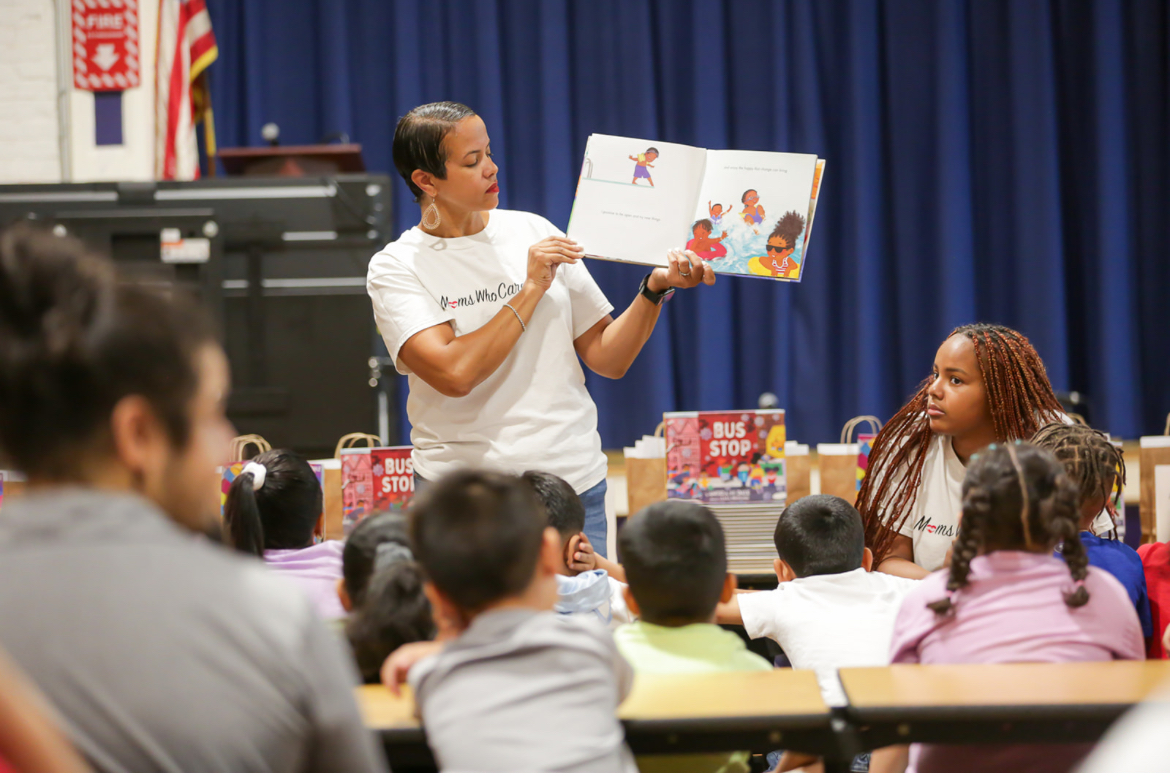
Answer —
(726, 456)
(746, 213)
(357, 486)
(393, 477)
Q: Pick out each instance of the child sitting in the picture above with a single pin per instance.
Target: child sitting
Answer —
(580, 590)
(1097, 469)
(274, 511)
(383, 588)
(512, 687)
(1006, 599)
(829, 610)
(676, 565)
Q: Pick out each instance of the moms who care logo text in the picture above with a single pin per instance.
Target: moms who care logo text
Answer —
(485, 295)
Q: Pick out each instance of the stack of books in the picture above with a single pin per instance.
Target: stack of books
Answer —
(733, 463)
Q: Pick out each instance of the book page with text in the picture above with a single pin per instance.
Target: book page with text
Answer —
(752, 212)
(634, 198)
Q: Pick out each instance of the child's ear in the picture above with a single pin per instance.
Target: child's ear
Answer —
(319, 528)
(551, 553)
(449, 618)
(343, 596)
(730, 582)
(784, 572)
(867, 559)
(628, 594)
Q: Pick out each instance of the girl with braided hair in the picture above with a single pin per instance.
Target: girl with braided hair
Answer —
(988, 384)
(1097, 469)
(1006, 599)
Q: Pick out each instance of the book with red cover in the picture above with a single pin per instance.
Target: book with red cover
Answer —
(393, 476)
(726, 456)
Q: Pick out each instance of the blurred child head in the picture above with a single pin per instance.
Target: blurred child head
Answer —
(394, 611)
(1095, 466)
(818, 535)
(277, 506)
(563, 506)
(1016, 497)
(482, 539)
(105, 384)
(676, 564)
(376, 541)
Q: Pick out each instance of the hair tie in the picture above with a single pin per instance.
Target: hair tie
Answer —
(388, 553)
(258, 472)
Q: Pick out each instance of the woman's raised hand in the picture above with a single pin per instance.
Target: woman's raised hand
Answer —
(545, 256)
(686, 270)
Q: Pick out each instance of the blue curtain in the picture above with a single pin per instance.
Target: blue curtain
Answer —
(995, 160)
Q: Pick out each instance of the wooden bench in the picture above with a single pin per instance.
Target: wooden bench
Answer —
(759, 711)
(1018, 703)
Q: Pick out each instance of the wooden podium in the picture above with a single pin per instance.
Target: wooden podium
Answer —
(320, 160)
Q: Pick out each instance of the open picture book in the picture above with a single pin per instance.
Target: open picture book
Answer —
(747, 213)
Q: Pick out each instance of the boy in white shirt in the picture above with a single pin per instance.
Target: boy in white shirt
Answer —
(829, 609)
(595, 593)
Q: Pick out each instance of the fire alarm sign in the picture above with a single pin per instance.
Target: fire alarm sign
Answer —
(105, 44)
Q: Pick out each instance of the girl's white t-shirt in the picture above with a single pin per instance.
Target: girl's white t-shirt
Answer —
(534, 412)
(933, 522)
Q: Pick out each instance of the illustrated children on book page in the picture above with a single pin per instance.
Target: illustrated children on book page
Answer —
(634, 198)
(752, 213)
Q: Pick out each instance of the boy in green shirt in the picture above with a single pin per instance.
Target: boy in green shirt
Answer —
(676, 566)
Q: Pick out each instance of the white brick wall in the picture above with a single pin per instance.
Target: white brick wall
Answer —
(29, 145)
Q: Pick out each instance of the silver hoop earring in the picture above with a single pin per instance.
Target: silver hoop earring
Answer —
(431, 217)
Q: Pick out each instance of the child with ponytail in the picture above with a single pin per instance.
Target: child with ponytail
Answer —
(1006, 599)
(274, 511)
(988, 385)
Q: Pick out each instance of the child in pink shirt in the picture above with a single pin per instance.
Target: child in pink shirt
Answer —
(1006, 599)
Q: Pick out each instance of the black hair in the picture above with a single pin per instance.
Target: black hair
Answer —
(376, 538)
(820, 534)
(418, 140)
(652, 150)
(705, 223)
(1090, 459)
(1017, 497)
(395, 611)
(676, 562)
(478, 536)
(790, 227)
(743, 197)
(74, 342)
(282, 514)
(562, 505)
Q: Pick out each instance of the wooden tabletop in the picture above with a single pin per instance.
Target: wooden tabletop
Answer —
(753, 694)
(904, 687)
(382, 711)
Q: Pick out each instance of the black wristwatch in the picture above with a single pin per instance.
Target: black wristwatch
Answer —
(657, 298)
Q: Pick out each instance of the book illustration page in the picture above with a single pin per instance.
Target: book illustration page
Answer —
(752, 213)
(634, 197)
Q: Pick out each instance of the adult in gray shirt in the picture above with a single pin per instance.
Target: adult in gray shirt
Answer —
(160, 651)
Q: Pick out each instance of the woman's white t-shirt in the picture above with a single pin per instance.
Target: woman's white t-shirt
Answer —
(534, 411)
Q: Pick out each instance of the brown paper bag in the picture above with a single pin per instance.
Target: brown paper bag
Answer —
(837, 463)
(798, 467)
(645, 479)
(1155, 451)
(332, 488)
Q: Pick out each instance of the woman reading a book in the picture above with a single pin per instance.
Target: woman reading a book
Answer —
(487, 312)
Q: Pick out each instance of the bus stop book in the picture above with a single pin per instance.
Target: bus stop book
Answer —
(747, 213)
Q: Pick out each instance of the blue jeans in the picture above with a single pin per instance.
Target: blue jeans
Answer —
(593, 498)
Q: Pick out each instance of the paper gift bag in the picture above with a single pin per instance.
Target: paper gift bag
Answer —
(356, 477)
(798, 462)
(329, 473)
(239, 449)
(1154, 503)
(837, 463)
(645, 479)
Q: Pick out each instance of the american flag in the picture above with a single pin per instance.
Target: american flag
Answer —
(186, 46)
